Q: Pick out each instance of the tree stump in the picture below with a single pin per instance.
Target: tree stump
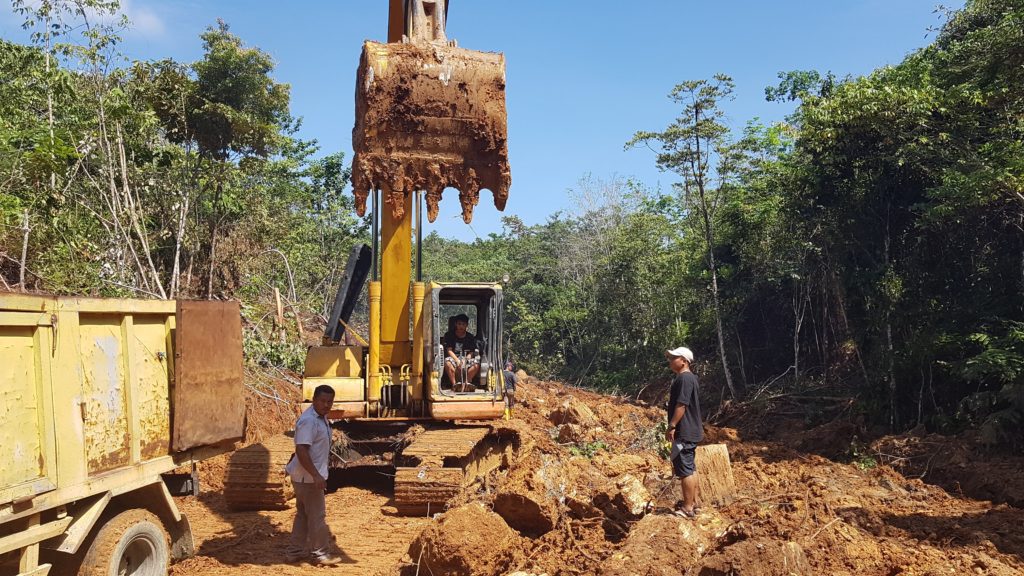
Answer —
(714, 474)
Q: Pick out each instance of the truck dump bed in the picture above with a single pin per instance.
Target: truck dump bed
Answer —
(99, 397)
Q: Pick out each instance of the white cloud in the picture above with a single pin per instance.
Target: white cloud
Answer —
(145, 22)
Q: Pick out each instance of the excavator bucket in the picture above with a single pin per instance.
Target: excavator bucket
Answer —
(430, 116)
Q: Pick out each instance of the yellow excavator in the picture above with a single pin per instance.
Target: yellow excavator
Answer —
(430, 116)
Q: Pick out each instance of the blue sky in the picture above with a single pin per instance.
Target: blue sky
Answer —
(582, 76)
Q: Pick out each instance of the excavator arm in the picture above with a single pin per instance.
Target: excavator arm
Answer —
(429, 116)
(417, 20)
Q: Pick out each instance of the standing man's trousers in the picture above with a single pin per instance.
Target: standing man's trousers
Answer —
(309, 530)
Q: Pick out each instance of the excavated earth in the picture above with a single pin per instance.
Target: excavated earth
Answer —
(588, 493)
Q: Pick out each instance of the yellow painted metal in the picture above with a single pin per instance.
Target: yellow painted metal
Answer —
(107, 404)
(22, 442)
(35, 533)
(331, 361)
(152, 405)
(346, 388)
(26, 302)
(104, 392)
(373, 360)
(395, 270)
(29, 553)
(85, 396)
(417, 341)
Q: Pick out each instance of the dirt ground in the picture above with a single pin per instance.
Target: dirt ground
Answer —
(587, 493)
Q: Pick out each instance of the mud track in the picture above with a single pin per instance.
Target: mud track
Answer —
(371, 538)
(574, 502)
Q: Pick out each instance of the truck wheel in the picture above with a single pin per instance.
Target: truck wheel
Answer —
(133, 543)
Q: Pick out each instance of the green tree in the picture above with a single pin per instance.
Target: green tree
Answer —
(696, 147)
(236, 113)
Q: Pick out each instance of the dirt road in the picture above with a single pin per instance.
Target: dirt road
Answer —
(370, 536)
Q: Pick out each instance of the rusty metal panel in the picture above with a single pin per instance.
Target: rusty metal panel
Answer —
(104, 392)
(21, 441)
(208, 402)
(152, 390)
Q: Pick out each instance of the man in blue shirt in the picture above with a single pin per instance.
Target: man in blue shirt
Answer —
(685, 428)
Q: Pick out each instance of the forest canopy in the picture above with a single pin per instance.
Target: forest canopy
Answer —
(872, 244)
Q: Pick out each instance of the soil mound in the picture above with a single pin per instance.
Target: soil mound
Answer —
(465, 541)
(962, 465)
(758, 558)
(664, 545)
(528, 496)
(793, 512)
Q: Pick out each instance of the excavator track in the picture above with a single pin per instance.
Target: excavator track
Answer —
(440, 463)
(255, 478)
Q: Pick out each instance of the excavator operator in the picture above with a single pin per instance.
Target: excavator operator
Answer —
(461, 362)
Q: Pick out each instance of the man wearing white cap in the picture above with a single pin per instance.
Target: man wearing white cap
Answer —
(685, 428)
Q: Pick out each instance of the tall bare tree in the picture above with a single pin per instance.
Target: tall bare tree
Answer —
(696, 146)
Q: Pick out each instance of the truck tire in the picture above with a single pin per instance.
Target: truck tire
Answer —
(133, 543)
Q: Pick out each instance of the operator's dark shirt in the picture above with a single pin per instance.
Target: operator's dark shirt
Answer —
(685, 391)
(465, 345)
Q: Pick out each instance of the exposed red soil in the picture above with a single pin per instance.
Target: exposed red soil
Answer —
(578, 507)
(963, 465)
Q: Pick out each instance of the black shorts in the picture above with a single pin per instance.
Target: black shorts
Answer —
(683, 458)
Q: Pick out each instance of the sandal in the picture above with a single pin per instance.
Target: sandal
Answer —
(684, 514)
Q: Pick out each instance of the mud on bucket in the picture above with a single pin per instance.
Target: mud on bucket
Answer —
(430, 117)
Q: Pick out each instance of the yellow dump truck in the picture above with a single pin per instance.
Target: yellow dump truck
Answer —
(100, 401)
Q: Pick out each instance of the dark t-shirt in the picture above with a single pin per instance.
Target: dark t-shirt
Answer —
(464, 345)
(684, 391)
(510, 380)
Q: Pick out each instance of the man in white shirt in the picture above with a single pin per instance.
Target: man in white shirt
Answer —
(311, 538)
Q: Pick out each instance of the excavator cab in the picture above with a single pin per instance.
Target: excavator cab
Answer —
(482, 305)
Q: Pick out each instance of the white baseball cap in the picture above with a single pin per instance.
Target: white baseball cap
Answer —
(682, 351)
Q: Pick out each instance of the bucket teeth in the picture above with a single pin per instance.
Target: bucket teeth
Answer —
(430, 117)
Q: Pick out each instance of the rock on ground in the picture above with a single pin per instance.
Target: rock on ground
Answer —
(465, 541)
(624, 501)
(664, 544)
(572, 411)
